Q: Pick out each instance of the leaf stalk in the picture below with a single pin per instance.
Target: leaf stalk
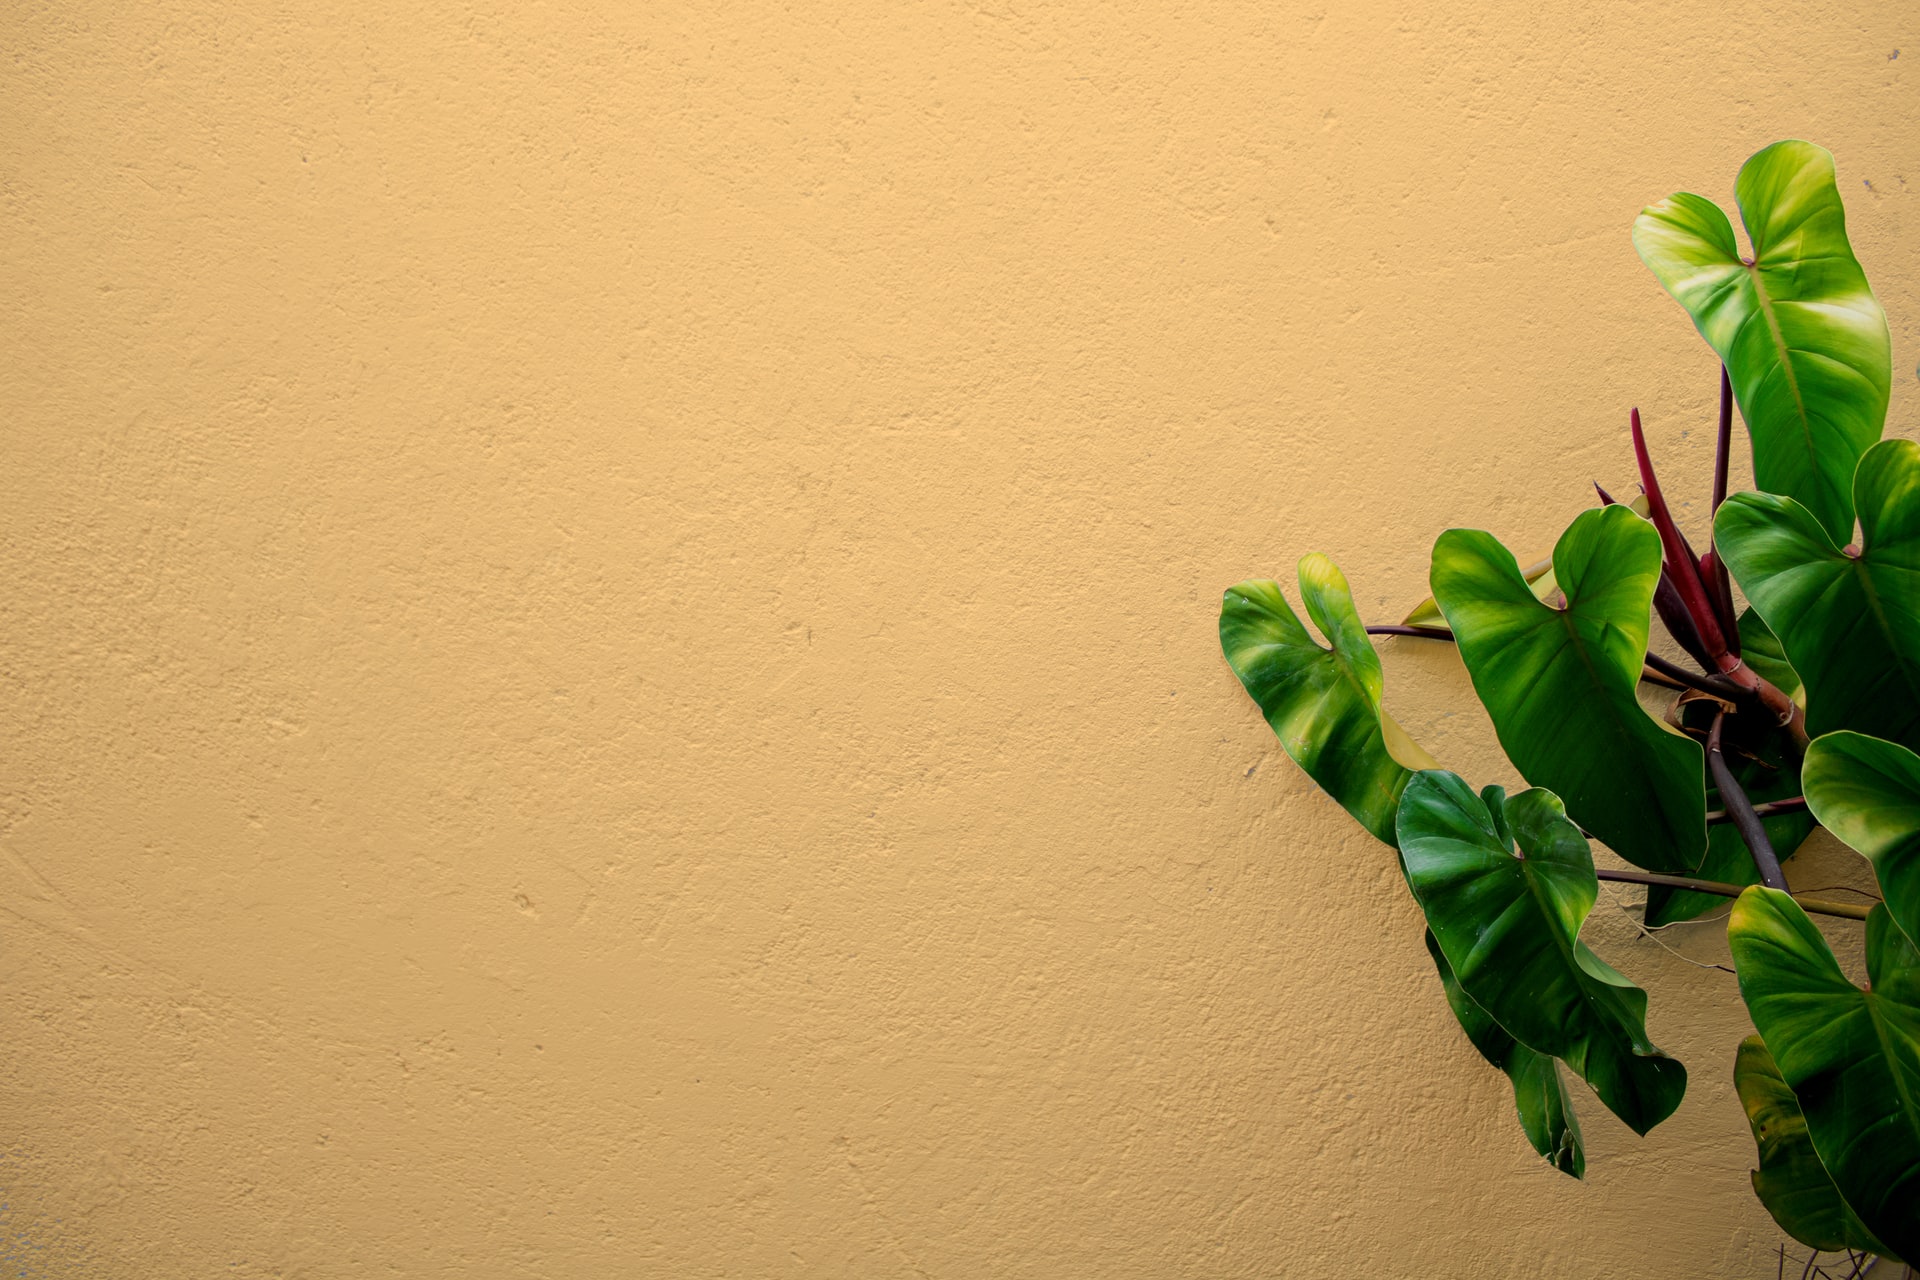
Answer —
(1818, 906)
(1740, 811)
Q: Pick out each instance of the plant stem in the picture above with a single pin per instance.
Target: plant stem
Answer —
(1657, 670)
(1678, 622)
(1681, 565)
(1818, 906)
(1740, 810)
(1725, 441)
(1792, 804)
(1424, 633)
(1714, 686)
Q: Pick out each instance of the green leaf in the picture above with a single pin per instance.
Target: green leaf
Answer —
(1850, 624)
(1559, 683)
(1539, 1093)
(1791, 1182)
(1538, 573)
(1851, 1057)
(1539, 576)
(1324, 704)
(1509, 927)
(1803, 339)
(1761, 650)
(1867, 792)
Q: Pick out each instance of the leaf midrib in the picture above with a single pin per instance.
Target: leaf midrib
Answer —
(1883, 1033)
(1781, 352)
(1891, 636)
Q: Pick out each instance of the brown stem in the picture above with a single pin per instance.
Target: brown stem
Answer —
(1740, 810)
(1792, 804)
(1818, 906)
(1424, 633)
(1716, 686)
(1657, 671)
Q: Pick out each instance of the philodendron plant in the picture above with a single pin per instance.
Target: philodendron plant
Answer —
(1804, 710)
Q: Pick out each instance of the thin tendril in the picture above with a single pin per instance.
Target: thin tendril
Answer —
(1626, 909)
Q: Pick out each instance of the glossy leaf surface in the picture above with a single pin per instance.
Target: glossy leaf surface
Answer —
(1867, 792)
(1323, 703)
(1761, 650)
(1538, 573)
(1849, 624)
(1560, 684)
(1791, 1182)
(1851, 1057)
(1803, 339)
(1539, 1093)
(1509, 927)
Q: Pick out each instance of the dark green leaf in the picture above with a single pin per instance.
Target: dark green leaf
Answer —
(1850, 624)
(1540, 1095)
(1509, 927)
(1867, 792)
(1791, 1182)
(1324, 704)
(1804, 341)
(1851, 1057)
(1560, 684)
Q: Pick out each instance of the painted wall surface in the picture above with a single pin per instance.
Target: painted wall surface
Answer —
(608, 620)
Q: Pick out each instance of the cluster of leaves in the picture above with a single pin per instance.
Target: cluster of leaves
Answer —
(1805, 709)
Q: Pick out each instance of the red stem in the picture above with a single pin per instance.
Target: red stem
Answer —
(1681, 565)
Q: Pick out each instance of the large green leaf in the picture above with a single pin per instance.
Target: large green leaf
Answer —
(1803, 340)
(1867, 792)
(1509, 927)
(1849, 623)
(1324, 704)
(1559, 683)
(1851, 1057)
(1540, 1095)
(1791, 1182)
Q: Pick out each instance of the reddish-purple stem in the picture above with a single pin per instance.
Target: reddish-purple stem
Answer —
(1714, 570)
(1681, 565)
(1678, 622)
(1712, 567)
(1667, 603)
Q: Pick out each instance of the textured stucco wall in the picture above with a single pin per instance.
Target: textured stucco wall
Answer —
(608, 649)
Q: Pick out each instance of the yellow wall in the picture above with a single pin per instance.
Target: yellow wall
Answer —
(608, 616)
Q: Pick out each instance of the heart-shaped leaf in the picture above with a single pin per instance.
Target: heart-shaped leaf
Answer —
(1323, 704)
(1803, 339)
(1851, 1057)
(1560, 684)
(1538, 573)
(1849, 623)
(1867, 792)
(1539, 1093)
(1791, 1182)
(1509, 927)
